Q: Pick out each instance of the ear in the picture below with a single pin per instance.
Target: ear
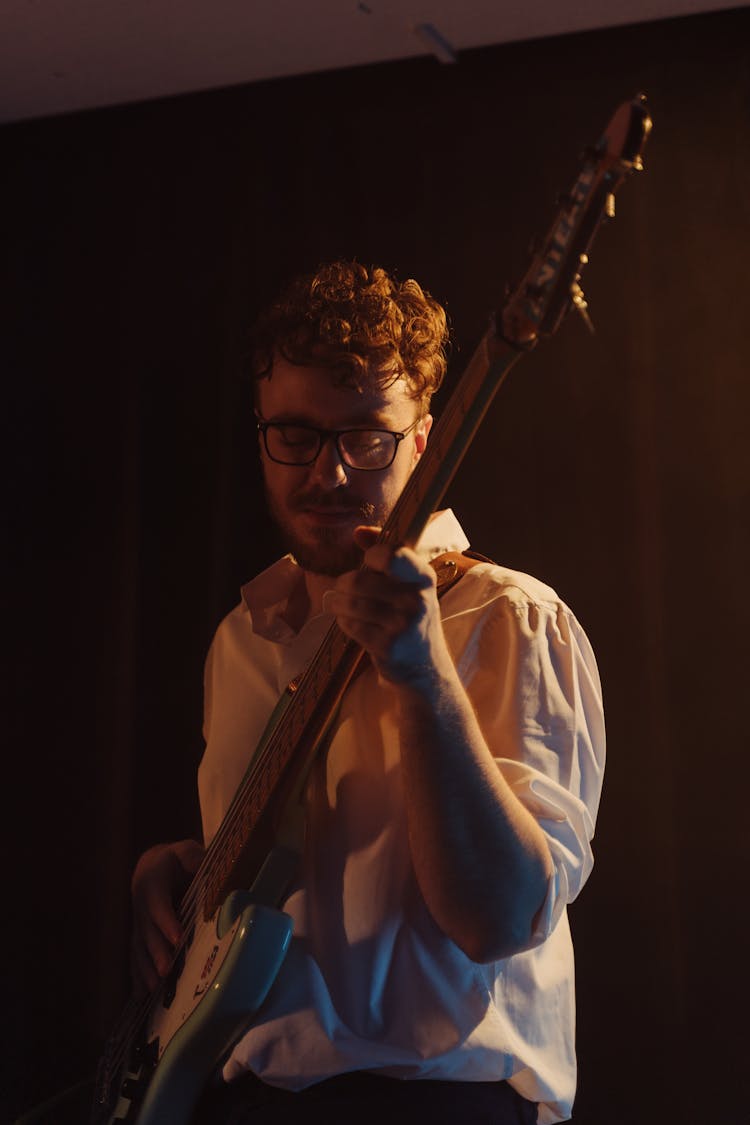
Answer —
(421, 434)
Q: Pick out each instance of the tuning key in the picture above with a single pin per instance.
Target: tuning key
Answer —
(580, 304)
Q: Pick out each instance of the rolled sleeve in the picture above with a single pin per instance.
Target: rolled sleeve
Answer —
(531, 675)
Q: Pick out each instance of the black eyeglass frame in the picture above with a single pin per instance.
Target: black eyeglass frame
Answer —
(324, 435)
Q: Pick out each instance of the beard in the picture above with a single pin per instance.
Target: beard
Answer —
(328, 550)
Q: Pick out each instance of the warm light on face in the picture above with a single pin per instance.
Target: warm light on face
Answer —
(316, 494)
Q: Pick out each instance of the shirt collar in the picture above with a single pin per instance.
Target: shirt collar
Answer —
(443, 533)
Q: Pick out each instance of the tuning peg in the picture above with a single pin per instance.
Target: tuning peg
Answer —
(580, 304)
(609, 206)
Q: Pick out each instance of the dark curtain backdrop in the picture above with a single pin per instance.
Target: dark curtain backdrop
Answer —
(137, 245)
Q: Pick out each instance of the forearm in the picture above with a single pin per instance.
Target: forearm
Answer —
(481, 860)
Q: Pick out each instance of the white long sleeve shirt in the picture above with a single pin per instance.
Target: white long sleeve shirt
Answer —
(370, 981)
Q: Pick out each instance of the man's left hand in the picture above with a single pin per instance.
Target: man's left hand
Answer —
(391, 609)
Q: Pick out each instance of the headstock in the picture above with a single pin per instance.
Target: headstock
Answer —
(551, 285)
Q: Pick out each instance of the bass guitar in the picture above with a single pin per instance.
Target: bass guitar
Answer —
(166, 1046)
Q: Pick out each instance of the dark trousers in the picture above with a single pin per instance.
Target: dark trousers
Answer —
(366, 1099)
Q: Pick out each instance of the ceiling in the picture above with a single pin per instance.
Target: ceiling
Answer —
(57, 56)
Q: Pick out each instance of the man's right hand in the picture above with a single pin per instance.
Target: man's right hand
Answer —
(160, 879)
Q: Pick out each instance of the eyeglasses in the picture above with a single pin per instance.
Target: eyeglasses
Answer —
(288, 443)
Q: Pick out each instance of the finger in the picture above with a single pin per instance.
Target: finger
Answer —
(156, 907)
(368, 621)
(366, 536)
(190, 855)
(392, 609)
(381, 585)
(402, 565)
(370, 635)
(158, 948)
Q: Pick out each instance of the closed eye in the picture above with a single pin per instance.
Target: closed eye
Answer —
(296, 437)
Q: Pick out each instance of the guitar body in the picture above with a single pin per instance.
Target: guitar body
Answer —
(155, 1070)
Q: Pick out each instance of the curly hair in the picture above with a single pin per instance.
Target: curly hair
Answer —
(361, 323)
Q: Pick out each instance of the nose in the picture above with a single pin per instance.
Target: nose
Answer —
(328, 469)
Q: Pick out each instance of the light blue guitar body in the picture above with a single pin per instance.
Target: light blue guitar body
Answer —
(170, 1050)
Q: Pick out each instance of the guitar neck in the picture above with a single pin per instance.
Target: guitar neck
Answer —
(537, 307)
(449, 440)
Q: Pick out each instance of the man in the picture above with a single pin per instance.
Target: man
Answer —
(450, 822)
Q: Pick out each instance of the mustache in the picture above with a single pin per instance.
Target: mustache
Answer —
(316, 498)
